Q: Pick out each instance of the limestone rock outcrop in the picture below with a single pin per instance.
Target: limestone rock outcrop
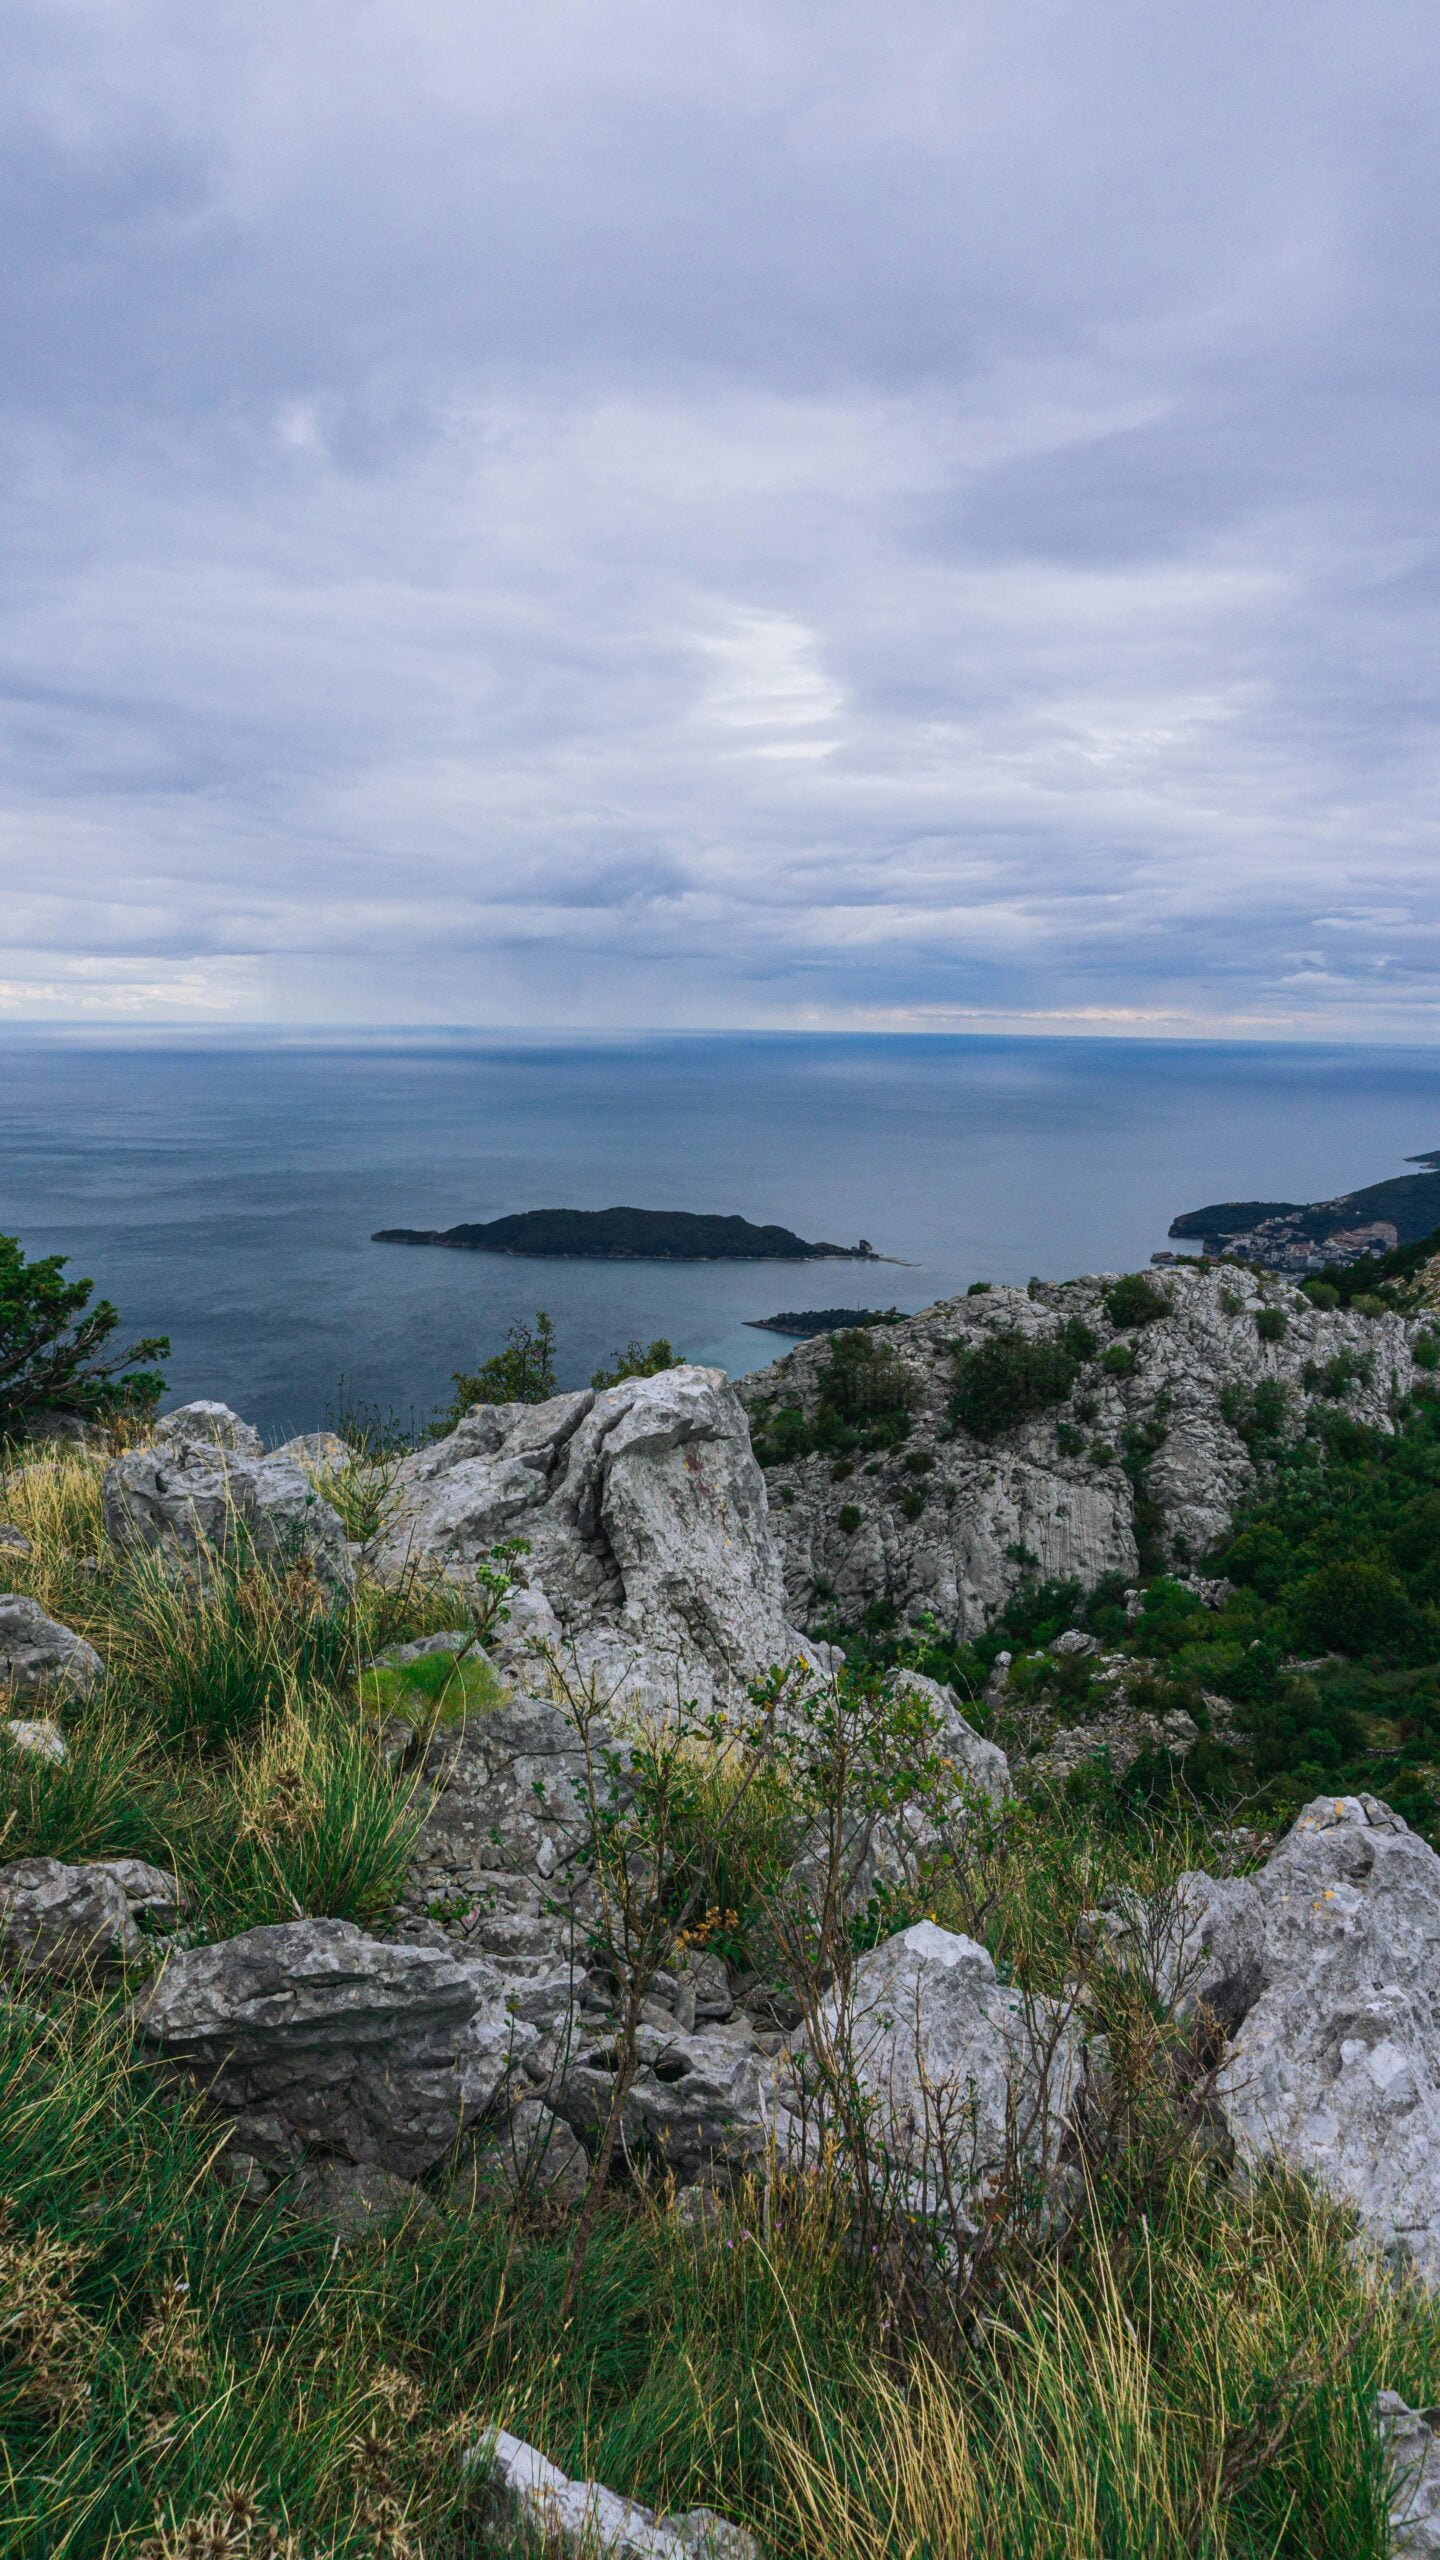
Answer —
(189, 1499)
(187, 1425)
(582, 2518)
(63, 1920)
(1324, 1971)
(646, 1521)
(966, 2076)
(1160, 1409)
(38, 1654)
(312, 2036)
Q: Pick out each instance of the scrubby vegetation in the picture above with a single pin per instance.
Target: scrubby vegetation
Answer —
(54, 1348)
(865, 1395)
(1178, 2366)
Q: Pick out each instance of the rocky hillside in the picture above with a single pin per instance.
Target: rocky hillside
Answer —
(1091, 1427)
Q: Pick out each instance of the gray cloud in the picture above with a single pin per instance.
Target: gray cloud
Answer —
(631, 512)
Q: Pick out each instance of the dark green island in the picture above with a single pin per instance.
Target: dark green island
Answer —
(630, 1235)
(803, 1323)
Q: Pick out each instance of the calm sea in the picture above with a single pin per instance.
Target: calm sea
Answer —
(224, 1190)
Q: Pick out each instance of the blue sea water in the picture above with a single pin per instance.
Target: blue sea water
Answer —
(224, 1189)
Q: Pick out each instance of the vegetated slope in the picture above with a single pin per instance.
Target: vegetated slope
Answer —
(1410, 1203)
(181, 2370)
(629, 1235)
(1071, 1432)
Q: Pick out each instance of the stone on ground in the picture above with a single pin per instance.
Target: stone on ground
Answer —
(38, 1653)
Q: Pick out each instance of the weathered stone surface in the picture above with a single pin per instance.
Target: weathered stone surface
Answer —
(594, 2523)
(958, 2066)
(35, 1735)
(312, 2035)
(1052, 1489)
(646, 1520)
(206, 1421)
(153, 1890)
(501, 1853)
(696, 2099)
(38, 1654)
(318, 1452)
(1412, 2464)
(63, 1920)
(13, 1541)
(1324, 1969)
(187, 1499)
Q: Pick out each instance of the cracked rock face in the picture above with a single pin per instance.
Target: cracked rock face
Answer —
(205, 1420)
(188, 1498)
(646, 1520)
(583, 2518)
(38, 1654)
(1050, 1498)
(1325, 1970)
(65, 1920)
(313, 2037)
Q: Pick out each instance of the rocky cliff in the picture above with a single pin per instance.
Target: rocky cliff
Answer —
(1095, 1426)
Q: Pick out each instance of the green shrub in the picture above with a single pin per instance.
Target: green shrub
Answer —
(1121, 1360)
(1336, 1376)
(1079, 1339)
(638, 1360)
(1271, 1323)
(523, 1373)
(913, 1503)
(1262, 1558)
(848, 1518)
(778, 1438)
(1259, 1415)
(1425, 1351)
(51, 1346)
(1134, 1300)
(1009, 1378)
(1352, 1606)
(1322, 1294)
(979, 1289)
(1369, 1304)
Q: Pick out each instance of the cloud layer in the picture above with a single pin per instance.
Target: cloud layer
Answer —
(623, 512)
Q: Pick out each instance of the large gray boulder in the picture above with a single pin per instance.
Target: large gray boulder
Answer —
(1412, 2471)
(188, 1425)
(1324, 1970)
(187, 1500)
(38, 1654)
(62, 1920)
(1049, 1497)
(965, 2076)
(503, 1850)
(312, 2036)
(646, 1520)
(586, 2520)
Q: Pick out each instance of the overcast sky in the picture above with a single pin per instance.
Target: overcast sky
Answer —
(904, 513)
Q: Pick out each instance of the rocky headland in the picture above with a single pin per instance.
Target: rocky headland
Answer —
(582, 1875)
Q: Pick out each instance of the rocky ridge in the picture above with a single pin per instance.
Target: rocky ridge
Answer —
(1150, 1443)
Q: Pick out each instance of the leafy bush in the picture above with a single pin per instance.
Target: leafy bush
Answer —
(1271, 1323)
(864, 1396)
(523, 1373)
(638, 1360)
(1009, 1378)
(1322, 1294)
(1352, 1606)
(1120, 1361)
(848, 1518)
(1336, 1376)
(1259, 1415)
(1426, 1351)
(51, 1346)
(1134, 1300)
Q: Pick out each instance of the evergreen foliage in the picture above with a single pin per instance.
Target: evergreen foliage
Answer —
(53, 1355)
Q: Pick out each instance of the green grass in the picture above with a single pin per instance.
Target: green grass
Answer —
(1184, 2371)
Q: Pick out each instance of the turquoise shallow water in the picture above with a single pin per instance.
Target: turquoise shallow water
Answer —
(224, 1190)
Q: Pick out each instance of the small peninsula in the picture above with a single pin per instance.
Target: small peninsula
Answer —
(630, 1235)
(1299, 1236)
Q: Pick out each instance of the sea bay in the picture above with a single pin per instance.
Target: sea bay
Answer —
(224, 1188)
